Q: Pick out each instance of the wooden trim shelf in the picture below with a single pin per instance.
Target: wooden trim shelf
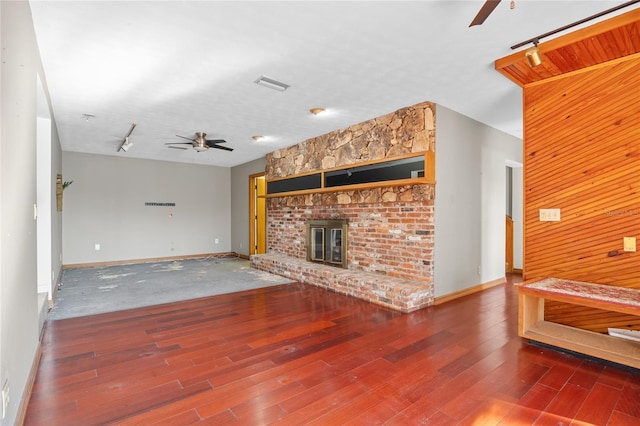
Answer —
(360, 186)
(586, 342)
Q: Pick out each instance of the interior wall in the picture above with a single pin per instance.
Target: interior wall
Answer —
(581, 156)
(470, 201)
(18, 268)
(105, 205)
(240, 214)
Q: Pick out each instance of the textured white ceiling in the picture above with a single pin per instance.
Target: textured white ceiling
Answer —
(178, 67)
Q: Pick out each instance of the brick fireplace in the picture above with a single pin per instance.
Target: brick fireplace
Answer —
(390, 228)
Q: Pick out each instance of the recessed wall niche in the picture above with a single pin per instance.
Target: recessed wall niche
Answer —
(388, 172)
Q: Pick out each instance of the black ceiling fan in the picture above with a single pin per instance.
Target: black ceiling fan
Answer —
(200, 143)
(486, 10)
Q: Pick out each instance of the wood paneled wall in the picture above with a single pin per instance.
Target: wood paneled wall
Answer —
(582, 155)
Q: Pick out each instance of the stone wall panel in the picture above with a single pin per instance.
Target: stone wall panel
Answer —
(401, 132)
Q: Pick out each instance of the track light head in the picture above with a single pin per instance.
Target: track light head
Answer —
(533, 55)
(126, 145)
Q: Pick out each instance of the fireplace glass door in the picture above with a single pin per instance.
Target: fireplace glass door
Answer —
(326, 242)
(317, 244)
(334, 254)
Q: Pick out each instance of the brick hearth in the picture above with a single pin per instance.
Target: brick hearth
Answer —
(396, 293)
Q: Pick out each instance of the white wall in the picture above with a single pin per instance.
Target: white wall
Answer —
(470, 201)
(240, 203)
(18, 278)
(44, 198)
(105, 205)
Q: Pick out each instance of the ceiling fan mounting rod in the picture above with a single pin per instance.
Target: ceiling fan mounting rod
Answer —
(536, 39)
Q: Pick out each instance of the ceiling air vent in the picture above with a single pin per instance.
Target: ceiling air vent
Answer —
(271, 83)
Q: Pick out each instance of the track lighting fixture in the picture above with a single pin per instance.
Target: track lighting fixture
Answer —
(316, 111)
(126, 145)
(536, 40)
(533, 55)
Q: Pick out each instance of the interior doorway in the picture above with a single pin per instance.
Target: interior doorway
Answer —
(513, 218)
(257, 214)
(508, 262)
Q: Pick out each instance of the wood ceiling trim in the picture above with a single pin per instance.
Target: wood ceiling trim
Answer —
(612, 39)
(635, 56)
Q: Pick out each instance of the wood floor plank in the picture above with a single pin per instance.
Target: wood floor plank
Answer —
(599, 405)
(298, 354)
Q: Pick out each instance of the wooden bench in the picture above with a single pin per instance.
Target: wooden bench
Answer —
(531, 323)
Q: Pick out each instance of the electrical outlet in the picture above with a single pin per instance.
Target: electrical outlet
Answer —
(97, 247)
(5, 398)
(549, 215)
(217, 241)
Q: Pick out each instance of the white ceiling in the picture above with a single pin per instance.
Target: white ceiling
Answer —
(177, 67)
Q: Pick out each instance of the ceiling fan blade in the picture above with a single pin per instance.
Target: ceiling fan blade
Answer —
(221, 147)
(484, 12)
(179, 143)
(178, 147)
(212, 142)
(184, 137)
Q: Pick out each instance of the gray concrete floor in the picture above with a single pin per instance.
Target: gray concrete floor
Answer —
(88, 291)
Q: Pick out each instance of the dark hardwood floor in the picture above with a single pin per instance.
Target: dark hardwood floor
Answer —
(296, 354)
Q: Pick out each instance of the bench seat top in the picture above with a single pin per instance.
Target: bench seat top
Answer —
(589, 291)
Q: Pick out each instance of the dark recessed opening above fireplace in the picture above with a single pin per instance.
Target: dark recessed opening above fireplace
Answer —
(327, 241)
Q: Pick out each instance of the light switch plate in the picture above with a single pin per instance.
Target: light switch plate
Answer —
(629, 243)
(549, 215)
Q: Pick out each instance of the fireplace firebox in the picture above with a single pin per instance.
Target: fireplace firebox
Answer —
(327, 241)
